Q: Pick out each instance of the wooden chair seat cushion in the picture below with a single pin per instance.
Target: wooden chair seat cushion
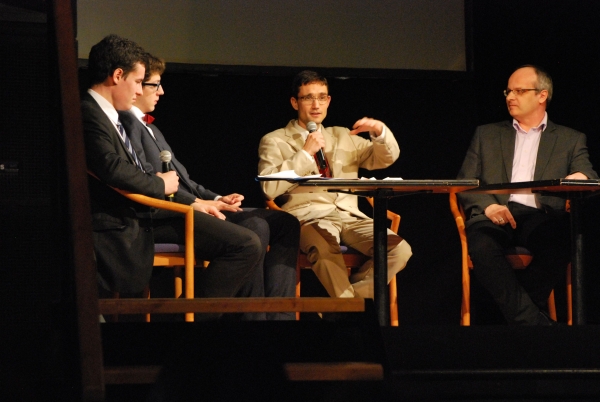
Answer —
(169, 248)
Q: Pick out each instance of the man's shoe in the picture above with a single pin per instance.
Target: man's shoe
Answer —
(545, 320)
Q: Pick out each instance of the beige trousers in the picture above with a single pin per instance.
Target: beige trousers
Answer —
(320, 240)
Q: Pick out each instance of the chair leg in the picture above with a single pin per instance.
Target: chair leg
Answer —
(178, 274)
(146, 295)
(569, 297)
(393, 303)
(552, 306)
(465, 307)
(298, 273)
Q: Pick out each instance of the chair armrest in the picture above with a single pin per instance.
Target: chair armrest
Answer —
(394, 217)
(155, 202)
(457, 213)
(270, 204)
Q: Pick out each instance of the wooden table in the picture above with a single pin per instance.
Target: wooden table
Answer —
(575, 191)
(381, 191)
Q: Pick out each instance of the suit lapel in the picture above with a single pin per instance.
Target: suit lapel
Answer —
(294, 138)
(547, 142)
(161, 144)
(507, 144)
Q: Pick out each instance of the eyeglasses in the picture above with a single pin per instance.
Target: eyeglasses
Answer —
(309, 99)
(519, 91)
(152, 84)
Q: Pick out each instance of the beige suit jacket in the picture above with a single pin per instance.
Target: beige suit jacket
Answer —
(281, 150)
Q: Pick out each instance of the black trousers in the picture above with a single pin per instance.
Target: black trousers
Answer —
(233, 252)
(280, 232)
(236, 248)
(521, 294)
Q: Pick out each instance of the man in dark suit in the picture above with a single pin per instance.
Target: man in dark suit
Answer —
(279, 231)
(123, 230)
(530, 147)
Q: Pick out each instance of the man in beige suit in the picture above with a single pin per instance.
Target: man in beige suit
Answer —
(330, 219)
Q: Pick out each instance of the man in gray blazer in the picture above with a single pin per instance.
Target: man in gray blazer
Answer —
(530, 147)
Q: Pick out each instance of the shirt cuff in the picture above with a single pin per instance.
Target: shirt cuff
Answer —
(381, 138)
(307, 155)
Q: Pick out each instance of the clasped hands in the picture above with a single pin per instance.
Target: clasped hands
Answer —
(500, 215)
(229, 202)
(316, 141)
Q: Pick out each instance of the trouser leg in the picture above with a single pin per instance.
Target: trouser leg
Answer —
(233, 252)
(358, 234)
(547, 237)
(320, 241)
(487, 243)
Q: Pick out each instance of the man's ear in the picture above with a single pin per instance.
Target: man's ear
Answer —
(543, 95)
(294, 103)
(117, 75)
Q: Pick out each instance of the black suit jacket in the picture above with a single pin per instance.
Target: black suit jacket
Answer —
(562, 151)
(123, 240)
(150, 148)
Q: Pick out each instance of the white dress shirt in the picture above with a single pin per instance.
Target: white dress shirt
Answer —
(526, 150)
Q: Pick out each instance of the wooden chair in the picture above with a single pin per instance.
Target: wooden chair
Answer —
(174, 256)
(518, 257)
(353, 260)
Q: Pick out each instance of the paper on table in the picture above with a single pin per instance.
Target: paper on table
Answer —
(288, 174)
(387, 178)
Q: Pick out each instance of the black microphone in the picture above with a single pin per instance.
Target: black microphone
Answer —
(165, 157)
(312, 127)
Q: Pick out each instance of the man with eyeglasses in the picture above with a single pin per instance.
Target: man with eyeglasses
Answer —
(123, 230)
(328, 219)
(220, 224)
(530, 147)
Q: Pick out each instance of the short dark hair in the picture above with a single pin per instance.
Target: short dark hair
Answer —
(155, 65)
(306, 77)
(111, 53)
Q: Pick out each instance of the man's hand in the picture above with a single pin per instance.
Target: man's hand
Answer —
(207, 208)
(500, 215)
(171, 181)
(375, 127)
(233, 199)
(577, 176)
(220, 205)
(314, 142)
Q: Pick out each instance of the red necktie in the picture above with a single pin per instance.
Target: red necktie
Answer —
(326, 171)
(148, 119)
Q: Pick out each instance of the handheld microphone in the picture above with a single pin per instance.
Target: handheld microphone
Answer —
(165, 157)
(312, 127)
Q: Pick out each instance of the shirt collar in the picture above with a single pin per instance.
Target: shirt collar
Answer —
(303, 132)
(541, 127)
(137, 113)
(105, 105)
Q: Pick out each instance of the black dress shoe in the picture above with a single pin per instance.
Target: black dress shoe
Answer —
(545, 320)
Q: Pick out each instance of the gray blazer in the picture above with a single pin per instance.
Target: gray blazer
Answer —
(562, 151)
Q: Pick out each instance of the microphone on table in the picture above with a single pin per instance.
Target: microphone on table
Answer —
(165, 157)
(312, 127)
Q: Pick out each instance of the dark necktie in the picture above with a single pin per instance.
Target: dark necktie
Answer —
(148, 119)
(326, 171)
(127, 143)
